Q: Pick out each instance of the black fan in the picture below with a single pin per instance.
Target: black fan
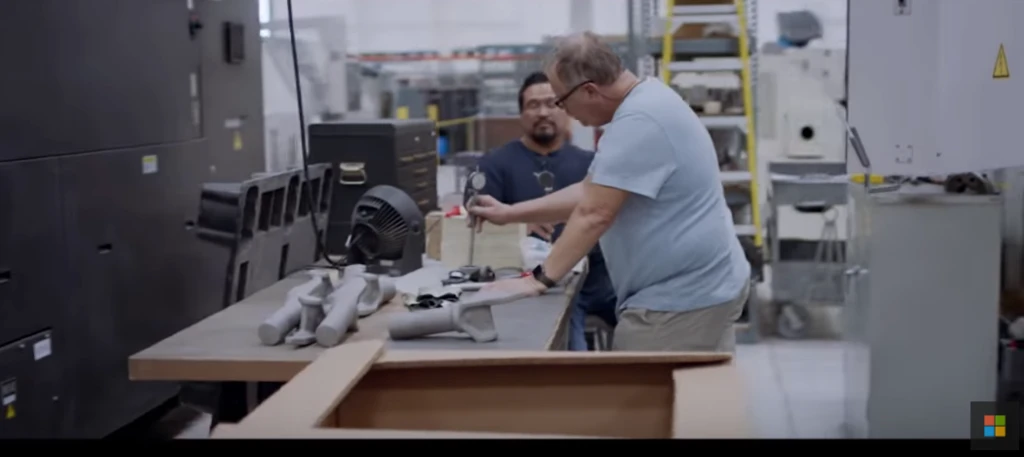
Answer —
(387, 232)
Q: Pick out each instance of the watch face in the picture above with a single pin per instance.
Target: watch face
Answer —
(546, 179)
(477, 181)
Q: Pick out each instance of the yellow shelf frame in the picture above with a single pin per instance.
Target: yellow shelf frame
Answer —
(667, 54)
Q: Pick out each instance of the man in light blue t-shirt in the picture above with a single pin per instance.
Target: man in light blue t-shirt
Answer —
(653, 198)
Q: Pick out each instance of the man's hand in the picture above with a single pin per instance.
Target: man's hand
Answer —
(545, 231)
(487, 208)
(528, 286)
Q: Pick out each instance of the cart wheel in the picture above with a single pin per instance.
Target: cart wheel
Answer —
(793, 321)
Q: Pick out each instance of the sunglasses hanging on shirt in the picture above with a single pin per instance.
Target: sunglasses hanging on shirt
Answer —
(546, 179)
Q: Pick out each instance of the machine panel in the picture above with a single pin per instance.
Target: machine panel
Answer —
(29, 394)
(114, 114)
(32, 249)
(232, 115)
(932, 88)
(141, 274)
(100, 74)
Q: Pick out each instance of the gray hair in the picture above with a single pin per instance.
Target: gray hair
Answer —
(584, 57)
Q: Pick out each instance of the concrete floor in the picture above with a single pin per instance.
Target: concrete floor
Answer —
(793, 388)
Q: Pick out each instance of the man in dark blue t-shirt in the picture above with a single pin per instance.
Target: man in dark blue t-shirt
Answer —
(540, 162)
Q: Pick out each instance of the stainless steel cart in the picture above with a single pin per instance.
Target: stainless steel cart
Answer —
(805, 272)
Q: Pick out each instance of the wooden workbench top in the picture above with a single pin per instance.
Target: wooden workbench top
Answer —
(225, 346)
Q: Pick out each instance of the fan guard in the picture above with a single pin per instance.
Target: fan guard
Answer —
(383, 219)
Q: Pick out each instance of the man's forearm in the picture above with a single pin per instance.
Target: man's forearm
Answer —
(581, 233)
(552, 209)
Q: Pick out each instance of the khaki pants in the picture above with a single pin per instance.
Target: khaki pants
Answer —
(705, 329)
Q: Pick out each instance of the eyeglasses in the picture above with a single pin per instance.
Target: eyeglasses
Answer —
(560, 102)
(536, 105)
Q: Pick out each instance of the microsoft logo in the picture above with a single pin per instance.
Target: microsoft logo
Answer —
(995, 426)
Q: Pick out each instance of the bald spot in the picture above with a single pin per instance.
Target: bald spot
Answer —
(584, 57)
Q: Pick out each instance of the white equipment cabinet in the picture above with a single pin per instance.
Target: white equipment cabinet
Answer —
(932, 91)
(798, 90)
(920, 321)
(925, 91)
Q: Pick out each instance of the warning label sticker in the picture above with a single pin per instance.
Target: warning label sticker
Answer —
(1002, 69)
(9, 393)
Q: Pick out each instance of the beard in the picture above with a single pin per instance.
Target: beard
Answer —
(544, 136)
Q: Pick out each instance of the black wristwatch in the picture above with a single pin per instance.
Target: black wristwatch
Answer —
(538, 274)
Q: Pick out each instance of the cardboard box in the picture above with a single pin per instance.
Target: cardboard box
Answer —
(496, 246)
(433, 223)
(359, 390)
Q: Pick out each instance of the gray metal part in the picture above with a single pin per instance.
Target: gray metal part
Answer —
(921, 313)
(516, 325)
(103, 254)
(342, 318)
(378, 291)
(277, 326)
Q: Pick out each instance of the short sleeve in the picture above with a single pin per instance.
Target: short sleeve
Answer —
(634, 155)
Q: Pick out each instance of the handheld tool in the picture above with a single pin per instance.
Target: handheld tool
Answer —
(469, 273)
(477, 181)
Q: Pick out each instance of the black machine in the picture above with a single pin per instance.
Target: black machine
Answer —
(114, 114)
(399, 153)
(388, 235)
(265, 222)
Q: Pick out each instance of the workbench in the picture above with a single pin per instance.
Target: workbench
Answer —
(225, 346)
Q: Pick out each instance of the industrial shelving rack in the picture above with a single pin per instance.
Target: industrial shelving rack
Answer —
(715, 55)
(690, 55)
(502, 70)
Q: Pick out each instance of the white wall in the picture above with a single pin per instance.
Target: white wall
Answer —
(406, 25)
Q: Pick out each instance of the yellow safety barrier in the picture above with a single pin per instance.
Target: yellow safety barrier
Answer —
(469, 122)
(751, 136)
